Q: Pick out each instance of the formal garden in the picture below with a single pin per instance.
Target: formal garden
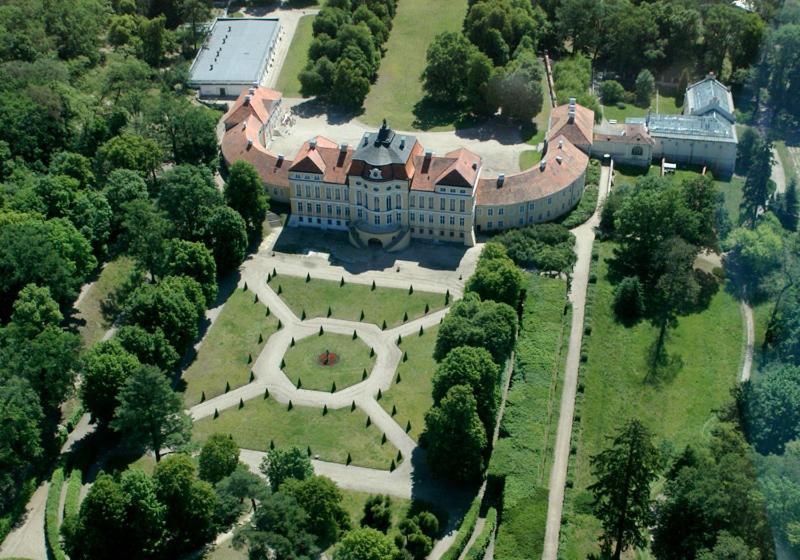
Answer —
(328, 362)
(386, 307)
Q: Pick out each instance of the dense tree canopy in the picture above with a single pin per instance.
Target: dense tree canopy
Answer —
(244, 192)
(218, 457)
(484, 324)
(496, 277)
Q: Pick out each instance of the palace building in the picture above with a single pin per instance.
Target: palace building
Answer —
(388, 189)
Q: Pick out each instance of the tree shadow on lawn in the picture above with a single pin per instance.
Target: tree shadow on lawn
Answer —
(315, 107)
(448, 501)
(431, 114)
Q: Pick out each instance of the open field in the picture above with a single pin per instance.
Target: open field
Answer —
(412, 394)
(666, 104)
(523, 455)
(296, 59)
(348, 301)
(227, 348)
(398, 87)
(331, 436)
(679, 409)
(349, 359)
(112, 277)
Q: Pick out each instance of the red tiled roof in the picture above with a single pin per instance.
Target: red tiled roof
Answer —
(241, 142)
(579, 132)
(454, 169)
(261, 103)
(537, 182)
(326, 158)
(633, 134)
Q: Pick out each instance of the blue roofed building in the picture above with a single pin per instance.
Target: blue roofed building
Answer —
(235, 56)
(709, 96)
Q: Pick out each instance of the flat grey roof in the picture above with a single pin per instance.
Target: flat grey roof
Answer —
(235, 52)
(713, 127)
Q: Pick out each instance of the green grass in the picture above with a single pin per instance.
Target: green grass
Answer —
(352, 359)
(51, 522)
(72, 500)
(398, 87)
(112, 277)
(296, 59)
(529, 158)
(230, 342)
(789, 162)
(412, 395)
(679, 410)
(666, 104)
(226, 551)
(353, 503)
(348, 301)
(331, 436)
(733, 196)
(522, 456)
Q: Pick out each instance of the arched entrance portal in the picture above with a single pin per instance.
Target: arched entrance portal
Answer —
(374, 243)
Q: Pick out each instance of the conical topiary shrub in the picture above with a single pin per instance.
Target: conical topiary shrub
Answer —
(252, 376)
(283, 363)
(299, 383)
(383, 326)
(241, 403)
(399, 455)
(280, 325)
(392, 467)
(308, 277)
(427, 308)
(369, 421)
(394, 410)
(324, 410)
(269, 277)
(272, 444)
(330, 312)
(274, 272)
(364, 374)
(291, 406)
(260, 338)
(244, 288)
(308, 450)
(399, 339)
(383, 439)
(405, 356)
(321, 330)
(353, 406)
(408, 426)
(355, 334)
(421, 330)
(405, 316)
(291, 344)
(380, 394)
(203, 396)
(333, 387)
(341, 282)
(227, 386)
(266, 393)
(255, 299)
(216, 414)
(447, 297)
(349, 459)
(398, 378)
(303, 315)
(280, 289)
(268, 312)
(361, 317)
(249, 358)
(373, 285)
(411, 289)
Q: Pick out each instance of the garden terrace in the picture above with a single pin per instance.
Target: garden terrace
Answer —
(320, 362)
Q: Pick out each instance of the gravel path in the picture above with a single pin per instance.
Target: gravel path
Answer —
(750, 336)
(584, 235)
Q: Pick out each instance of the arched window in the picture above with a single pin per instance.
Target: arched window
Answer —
(389, 202)
(398, 201)
(637, 151)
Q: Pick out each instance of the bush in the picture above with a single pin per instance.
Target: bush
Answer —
(52, 534)
(629, 299)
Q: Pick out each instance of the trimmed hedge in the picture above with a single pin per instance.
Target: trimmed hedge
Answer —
(464, 531)
(521, 459)
(72, 501)
(586, 206)
(51, 526)
(478, 549)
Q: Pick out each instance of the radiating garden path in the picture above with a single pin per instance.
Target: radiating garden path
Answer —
(268, 375)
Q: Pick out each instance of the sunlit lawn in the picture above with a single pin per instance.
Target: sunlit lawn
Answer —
(296, 59)
(411, 395)
(529, 158)
(398, 87)
(348, 301)
(228, 348)
(678, 409)
(331, 436)
(348, 360)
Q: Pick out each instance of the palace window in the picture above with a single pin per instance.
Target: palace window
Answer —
(453, 204)
(377, 220)
(412, 200)
(389, 202)
(398, 201)
(452, 220)
(462, 205)
(637, 151)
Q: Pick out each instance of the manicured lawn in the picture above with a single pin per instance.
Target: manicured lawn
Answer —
(350, 300)
(331, 436)
(111, 278)
(296, 59)
(529, 158)
(347, 361)
(224, 357)
(732, 189)
(398, 87)
(411, 395)
(666, 104)
(523, 454)
(679, 409)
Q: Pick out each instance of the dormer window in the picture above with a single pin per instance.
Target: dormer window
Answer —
(375, 173)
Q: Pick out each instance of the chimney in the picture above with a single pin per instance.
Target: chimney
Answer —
(561, 144)
(428, 154)
(249, 143)
(559, 159)
(211, 67)
(571, 114)
(402, 142)
(501, 178)
(280, 160)
(247, 100)
(572, 101)
(312, 144)
(251, 91)
(366, 141)
(474, 166)
(542, 165)
(342, 147)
